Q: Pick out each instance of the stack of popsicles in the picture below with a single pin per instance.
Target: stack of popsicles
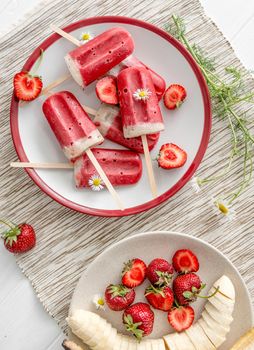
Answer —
(135, 124)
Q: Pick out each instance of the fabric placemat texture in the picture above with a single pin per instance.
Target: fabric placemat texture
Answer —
(69, 241)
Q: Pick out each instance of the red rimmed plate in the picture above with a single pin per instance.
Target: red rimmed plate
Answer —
(189, 126)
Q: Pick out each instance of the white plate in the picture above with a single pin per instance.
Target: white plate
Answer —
(188, 127)
(106, 269)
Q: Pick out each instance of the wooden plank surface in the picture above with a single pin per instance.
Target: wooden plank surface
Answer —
(23, 322)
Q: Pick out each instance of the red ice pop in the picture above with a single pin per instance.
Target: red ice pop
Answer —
(95, 58)
(121, 166)
(71, 125)
(158, 82)
(139, 105)
(109, 122)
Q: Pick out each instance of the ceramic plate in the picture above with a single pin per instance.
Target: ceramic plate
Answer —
(106, 269)
(188, 127)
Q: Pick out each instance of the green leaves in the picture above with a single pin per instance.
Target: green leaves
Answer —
(119, 290)
(227, 93)
(133, 327)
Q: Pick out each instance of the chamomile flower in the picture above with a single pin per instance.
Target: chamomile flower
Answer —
(222, 207)
(99, 302)
(96, 183)
(195, 184)
(142, 94)
(85, 36)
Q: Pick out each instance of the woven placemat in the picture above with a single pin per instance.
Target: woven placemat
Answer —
(68, 241)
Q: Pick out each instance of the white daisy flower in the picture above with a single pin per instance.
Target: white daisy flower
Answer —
(85, 36)
(222, 207)
(99, 302)
(195, 184)
(96, 183)
(142, 94)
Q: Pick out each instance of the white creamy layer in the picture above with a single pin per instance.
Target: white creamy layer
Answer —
(77, 171)
(142, 129)
(81, 145)
(74, 70)
(105, 116)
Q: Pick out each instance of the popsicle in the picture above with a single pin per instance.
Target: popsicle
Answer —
(96, 57)
(140, 110)
(71, 125)
(109, 122)
(132, 61)
(75, 132)
(121, 166)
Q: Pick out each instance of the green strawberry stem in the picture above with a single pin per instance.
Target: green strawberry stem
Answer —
(209, 296)
(153, 290)
(11, 226)
(37, 64)
(11, 235)
(133, 327)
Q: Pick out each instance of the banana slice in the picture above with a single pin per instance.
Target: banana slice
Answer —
(169, 342)
(224, 307)
(117, 342)
(226, 287)
(111, 341)
(103, 339)
(158, 344)
(182, 341)
(84, 323)
(218, 316)
(246, 342)
(198, 338)
(98, 337)
(215, 338)
(141, 345)
(217, 327)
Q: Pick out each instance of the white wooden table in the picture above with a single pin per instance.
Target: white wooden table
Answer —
(24, 325)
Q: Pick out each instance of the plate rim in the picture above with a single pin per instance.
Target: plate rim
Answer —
(185, 177)
(180, 234)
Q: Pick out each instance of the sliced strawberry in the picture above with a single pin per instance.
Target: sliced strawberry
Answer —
(184, 260)
(134, 273)
(181, 318)
(106, 90)
(26, 86)
(171, 156)
(174, 96)
(161, 298)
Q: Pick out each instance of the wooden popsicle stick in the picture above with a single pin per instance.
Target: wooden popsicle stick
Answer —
(105, 178)
(41, 165)
(65, 35)
(89, 110)
(149, 167)
(54, 84)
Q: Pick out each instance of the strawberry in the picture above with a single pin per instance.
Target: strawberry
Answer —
(134, 273)
(184, 260)
(19, 239)
(161, 298)
(181, 318)
(159, 272)
(26, 86)
(174, 96)
(106, 90)
(171, 156)
(118, 297)
(138, 319)
(187, 287)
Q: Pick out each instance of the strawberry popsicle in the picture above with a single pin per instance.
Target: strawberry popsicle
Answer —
(121, 166)
(131, 61)
(96, 57)
(109, 122)
(139, 105)
(71, 125)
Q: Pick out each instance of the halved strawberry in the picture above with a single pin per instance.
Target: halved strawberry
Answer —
(161, 298)
(171, 156)
(174, 96)
(184, 260)
(181, 318)
(26, 86)
(134, 273)
(106, 90)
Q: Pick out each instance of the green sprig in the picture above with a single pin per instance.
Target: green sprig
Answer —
(227, 94)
